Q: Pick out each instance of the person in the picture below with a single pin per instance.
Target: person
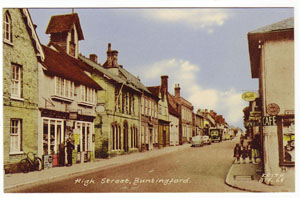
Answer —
(244, 153)
(249, 151)
(62, 154)
(255, 148)
(237, 152)
(70, 147)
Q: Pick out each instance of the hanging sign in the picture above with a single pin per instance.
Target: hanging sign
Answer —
(249, 96)
(269, 120)
(273, 109)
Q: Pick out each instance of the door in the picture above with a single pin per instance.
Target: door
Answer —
(125, 138)
(164, 138)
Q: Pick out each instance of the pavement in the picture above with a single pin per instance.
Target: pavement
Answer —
(247, 176)
(16, 180)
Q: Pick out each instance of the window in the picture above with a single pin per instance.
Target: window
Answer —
(7, 27)
(286, 135)
(134, 137)
(88, 94)
(15, 135)
(16, 81)
(142, 106)
(64, 88)
(116, 137)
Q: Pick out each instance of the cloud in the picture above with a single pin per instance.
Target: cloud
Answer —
(193, 18)
(228, 102)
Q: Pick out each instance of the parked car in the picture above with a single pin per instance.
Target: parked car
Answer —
(206, 139)
(197, 141)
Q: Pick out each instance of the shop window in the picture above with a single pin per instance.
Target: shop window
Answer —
(7, 28)
(16, 81)
(53, 135)
(15, 136)
(286, 138)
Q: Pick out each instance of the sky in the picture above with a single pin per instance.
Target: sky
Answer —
(205, 50)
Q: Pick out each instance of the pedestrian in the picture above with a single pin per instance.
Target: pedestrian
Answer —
(237, 152)
(70, 147)
(62, 154)
(242, 140)
(249, 151)
(255, 148)
(244, 153)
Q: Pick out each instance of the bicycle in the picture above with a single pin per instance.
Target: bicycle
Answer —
(30, 163)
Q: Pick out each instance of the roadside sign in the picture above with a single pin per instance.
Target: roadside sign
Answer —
(249, 96)
(269, 120)
(273, 109)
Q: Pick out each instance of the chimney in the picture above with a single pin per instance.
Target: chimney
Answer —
(164, 86)
(177, 90)
(94, 58)
(115, 58)
(112, 57)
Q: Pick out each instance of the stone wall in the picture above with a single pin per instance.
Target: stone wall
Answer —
(20, 52)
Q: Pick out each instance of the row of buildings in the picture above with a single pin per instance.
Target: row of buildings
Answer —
(271, 115)
(52, 93)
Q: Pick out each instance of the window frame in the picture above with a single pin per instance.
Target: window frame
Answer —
(16, 84)
(7, 29)
(19, 134)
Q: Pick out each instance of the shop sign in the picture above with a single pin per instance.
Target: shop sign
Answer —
(273, 109)
(73, 115)
(289, 112)
(249, 96)
(269, 120)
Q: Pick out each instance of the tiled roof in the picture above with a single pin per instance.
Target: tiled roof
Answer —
(172, 107)
(133, 80)
(106, 72)
(279, 26)
(64, 23)
(155, 90)
(61, 64)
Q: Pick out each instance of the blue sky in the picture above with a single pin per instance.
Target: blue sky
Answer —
(204, 50)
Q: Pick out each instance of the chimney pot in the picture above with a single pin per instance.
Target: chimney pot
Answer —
(177, 90)
(94, 58)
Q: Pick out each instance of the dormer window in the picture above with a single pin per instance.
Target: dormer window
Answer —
(7, 28)
(72, 44)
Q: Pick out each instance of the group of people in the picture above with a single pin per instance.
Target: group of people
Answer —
(70, 147)
(247, 149)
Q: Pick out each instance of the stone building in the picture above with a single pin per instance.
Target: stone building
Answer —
(186, 117)
(199, 123)
(173, 108)
(161, 92)
(271, 51)
(67, 97)
(21, 53)
(117, 125)
(149, 121)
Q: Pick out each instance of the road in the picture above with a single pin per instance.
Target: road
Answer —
(195, 169)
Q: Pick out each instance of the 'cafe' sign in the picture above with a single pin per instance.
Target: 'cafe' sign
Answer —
(249, 96)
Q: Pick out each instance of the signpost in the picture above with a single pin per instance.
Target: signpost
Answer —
(249, 96)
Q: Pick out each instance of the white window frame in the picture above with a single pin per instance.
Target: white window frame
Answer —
(7, 29)
(15, 133)
(16, 80)
(87, 95)
(56, 123)
(64, 89)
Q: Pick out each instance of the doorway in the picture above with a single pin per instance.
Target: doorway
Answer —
(125, 138)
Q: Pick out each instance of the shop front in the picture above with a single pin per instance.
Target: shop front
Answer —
(60, 127)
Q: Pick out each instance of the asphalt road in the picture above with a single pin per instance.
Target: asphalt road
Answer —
(195, 169)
